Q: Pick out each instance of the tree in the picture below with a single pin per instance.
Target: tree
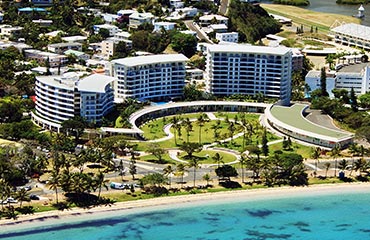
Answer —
(180, 171)
(194, 163)
(184, 43)
(104, 33)
(243, 162)
(132, 168)
(188, 127)
(225, 172)
(335, 152)
(217, 158)
(190, 148)
(101, 182)
(10, 111)
(54, 183)
(176, 125)
(327, 166)
(22, 195)
(365, 100)
(353, 100)
(153, 179)
(251, 21)
(120, 50)
(323, 83)
(292, 169)
(265, 147)
(364, 132)
(216, 127)
(74, 126)
(206, 177)
(202, 119)
(168, 171)
(315, 154)
(231, 128)
(157, 151)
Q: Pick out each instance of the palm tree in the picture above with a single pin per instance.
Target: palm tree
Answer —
(101, 182)
(188, 127)
(194, 163)
(327, 166)
(180, 171)
(22, 195)
(202, 119)
(168, 171)
(54, 183)
(5, 190)
(217, 158)
(343, 164)
(175, 125)
(315, 154)
(243, 161)
(215, 128)
(231, 129)
(335, 152)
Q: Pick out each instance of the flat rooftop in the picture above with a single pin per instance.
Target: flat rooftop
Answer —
(245, 48)
(293, 117)
(150, 59)
(355, 30)
(357, 68)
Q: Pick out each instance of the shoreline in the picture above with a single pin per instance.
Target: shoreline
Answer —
(160, 203)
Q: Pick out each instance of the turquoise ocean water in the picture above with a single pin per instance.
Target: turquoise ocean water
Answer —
(339, 216)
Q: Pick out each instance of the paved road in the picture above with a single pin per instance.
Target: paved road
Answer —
(200, 34)
(223, 7)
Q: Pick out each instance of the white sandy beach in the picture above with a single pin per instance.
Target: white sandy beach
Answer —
(124, 208)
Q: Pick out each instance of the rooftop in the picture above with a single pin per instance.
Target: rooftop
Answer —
(292, 116)
(150, 59)
(245, 48)
(352, 29)
(94, 83)
(74, 38)
(107, 26)
(355, 68)
(211, 16)
(65, 44)
(74, 52)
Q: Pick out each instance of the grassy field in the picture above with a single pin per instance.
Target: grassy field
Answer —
(308, 18)
(303, 150)
(206, 156)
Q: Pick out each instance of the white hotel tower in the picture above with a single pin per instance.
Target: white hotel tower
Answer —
(249, 70)
(59, 98)
(153, 77)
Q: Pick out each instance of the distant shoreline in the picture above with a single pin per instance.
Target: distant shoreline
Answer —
(159, 203)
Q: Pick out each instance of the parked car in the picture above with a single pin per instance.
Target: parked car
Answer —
(119, 186)
(9, 200)
(34, 197)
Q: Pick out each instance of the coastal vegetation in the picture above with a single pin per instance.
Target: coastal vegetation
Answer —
(352, 2)
(292, 2)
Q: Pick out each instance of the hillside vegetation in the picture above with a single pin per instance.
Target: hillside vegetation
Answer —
(251, 21)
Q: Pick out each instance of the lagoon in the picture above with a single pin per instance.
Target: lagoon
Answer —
(308, 215)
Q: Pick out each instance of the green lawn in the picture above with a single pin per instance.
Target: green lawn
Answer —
(151, 158)
(202, 155)
(154, 129)
(303, 150)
